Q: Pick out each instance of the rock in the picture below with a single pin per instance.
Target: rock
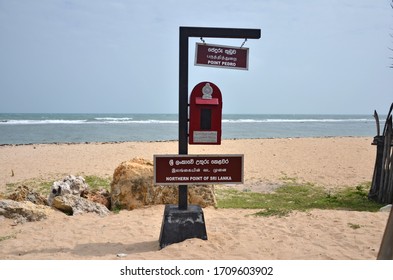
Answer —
(102, 196)
(132, 187)
(72, 196)
(24, 193)
(69, 185)
(386, 208)
(202, 195)
(131, 184)
(24, 211)
(74, 205)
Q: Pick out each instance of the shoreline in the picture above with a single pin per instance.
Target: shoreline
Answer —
(174, 140)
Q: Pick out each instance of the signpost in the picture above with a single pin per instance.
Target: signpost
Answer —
(183, 222)
(185, 34)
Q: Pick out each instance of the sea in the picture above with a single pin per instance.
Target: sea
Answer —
(36, 128)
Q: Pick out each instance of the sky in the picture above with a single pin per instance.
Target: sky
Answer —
(122, 56)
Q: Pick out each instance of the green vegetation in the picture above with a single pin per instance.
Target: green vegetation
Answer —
(43, 186)
(297, 197)
(3, 238)
(354, 226)
(97, 183)
(40, 186)
(116, 209)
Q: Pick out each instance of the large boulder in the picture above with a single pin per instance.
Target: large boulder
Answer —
(132, 187)
(74, 205)
(23, 211)
(69, 185)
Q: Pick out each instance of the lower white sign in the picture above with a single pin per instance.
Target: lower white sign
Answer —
(205, 136)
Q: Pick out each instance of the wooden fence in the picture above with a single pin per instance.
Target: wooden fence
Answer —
(382, 184)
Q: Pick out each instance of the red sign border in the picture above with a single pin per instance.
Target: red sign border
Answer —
(196, 182)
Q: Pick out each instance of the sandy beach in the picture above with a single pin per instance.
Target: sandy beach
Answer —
(232, 233)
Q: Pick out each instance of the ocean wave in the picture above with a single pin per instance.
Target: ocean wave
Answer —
(137, 122)
(96, 121)
(129, 120)
(292, 120)
(111, 119)
(31, 122)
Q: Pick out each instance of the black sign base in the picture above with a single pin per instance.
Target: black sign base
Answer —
(179, 225)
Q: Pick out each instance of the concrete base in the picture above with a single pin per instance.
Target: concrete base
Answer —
(179, 225)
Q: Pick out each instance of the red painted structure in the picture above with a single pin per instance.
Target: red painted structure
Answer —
(205, 114)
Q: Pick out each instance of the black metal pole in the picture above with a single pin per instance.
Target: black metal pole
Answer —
(183, 111)
(184, 34)
(220, 32)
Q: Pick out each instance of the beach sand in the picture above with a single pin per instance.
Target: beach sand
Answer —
(232, 233)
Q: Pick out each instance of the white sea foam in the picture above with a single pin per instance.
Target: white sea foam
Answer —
(96, 121)
(31, 122)
(292, 120)
(131, 121)
(110, 120)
